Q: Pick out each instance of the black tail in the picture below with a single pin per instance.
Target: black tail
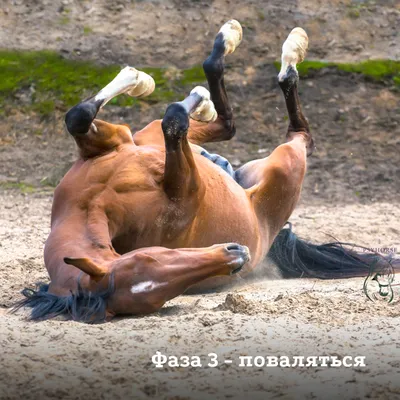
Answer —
(81, 306)
(297, 258)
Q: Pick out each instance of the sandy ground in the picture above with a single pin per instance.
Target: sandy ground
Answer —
(64, 359)
(351, 192)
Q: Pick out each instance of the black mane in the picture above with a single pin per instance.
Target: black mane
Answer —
(82, 306)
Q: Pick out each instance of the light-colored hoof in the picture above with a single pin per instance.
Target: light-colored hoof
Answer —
(130, 81)
(205, 111)
(145, 86)
(293, 50)
(233, 34)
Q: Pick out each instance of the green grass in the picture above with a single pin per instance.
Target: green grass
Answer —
(58, 83)
(377, 70)
(355, 8)
(87, 30)
(64, 20)
(22, 186)
(354, 13)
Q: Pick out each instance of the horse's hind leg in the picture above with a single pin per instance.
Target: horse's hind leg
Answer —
(223, 128)
(94, 136)
(274, 183)
(293, 52)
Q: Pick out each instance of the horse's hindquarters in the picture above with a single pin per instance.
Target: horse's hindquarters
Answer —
(225, 214)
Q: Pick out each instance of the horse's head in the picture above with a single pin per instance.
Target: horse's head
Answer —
(143, 280)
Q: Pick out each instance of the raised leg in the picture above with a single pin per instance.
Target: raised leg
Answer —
(202, 128)
(95, 137)
(293, 52)
(181, 177)
(274, 183)
(223, 128)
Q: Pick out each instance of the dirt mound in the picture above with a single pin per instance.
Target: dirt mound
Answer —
(319, 308)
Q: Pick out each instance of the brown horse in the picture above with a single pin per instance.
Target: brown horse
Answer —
(157, 187)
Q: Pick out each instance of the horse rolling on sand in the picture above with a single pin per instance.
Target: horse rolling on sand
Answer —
(139, 219)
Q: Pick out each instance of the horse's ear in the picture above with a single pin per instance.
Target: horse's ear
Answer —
(87, 265)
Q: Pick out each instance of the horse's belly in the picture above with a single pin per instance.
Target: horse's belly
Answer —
(224, 215)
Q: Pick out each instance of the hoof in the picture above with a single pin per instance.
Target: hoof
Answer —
(145, 85)
(241, 254)
(205, 111)
(129, 80)
(233, 34)
(293, 51)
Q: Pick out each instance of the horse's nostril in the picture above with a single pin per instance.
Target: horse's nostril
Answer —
(233, 247)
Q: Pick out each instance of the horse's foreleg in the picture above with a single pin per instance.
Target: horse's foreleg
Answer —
(181, 177)
(223, 128)
(95, 137)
